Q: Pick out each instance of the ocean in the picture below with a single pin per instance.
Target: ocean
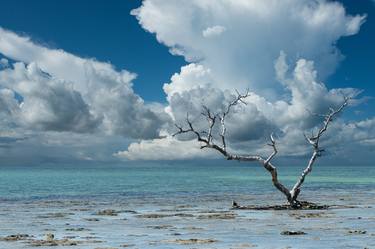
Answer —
(40, 199)
(170, 180)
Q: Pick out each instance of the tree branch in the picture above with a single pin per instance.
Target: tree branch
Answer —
(314, 141)
(273, 145)
(211, 119)
(209, 143)
(239, 98)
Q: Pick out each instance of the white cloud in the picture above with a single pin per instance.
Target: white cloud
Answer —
(63, 92)
(48, 103)
(256, 40)
(194, 87)
(362, 132)
(191, 76)
(255, 33)
(213, 31)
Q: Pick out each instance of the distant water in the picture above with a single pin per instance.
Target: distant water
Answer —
(155, 181)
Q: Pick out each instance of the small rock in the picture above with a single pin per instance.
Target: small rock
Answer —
(92, 219)
(79, 229)
(357, 232)
(127, 245)
(107, 212)
(192, 241)
(292, 233)
(161, 227)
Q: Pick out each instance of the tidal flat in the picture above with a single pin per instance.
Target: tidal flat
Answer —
(185, 217)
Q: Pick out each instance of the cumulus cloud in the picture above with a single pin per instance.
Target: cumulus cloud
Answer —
(305, 95)
(64, 92)
(255, 33)
(281, 50)
(248, 126)
(48, 103)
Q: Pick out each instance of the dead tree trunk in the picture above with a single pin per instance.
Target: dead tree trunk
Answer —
(206, 139)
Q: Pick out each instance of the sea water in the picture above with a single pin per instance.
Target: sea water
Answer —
(160, 180)
(30, 194)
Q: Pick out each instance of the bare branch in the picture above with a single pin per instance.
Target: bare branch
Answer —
(206, 138)
(211, 119)
(314, 141)
(223, 131)
(239, 98)
(273, 145)
(209, 143)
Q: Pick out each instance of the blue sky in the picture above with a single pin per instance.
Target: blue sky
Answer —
(357, 68)
(91, 50)
(107, 31)
(104, 30)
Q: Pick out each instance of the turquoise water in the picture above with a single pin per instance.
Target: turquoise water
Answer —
(65, 200)
(168, 180)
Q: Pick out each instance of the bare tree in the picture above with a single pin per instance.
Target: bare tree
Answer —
(207, 141)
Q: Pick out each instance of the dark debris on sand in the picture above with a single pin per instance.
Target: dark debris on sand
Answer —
(16, 237)
(191, 241)
(292, 233)
(304, 205)
(48, 241)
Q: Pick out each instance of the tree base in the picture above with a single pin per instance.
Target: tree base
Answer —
(303, 205)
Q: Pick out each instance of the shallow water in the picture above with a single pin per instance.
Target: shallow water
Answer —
(185, 202)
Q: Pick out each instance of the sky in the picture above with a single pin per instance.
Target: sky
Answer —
(93, 81)
(103, 30)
